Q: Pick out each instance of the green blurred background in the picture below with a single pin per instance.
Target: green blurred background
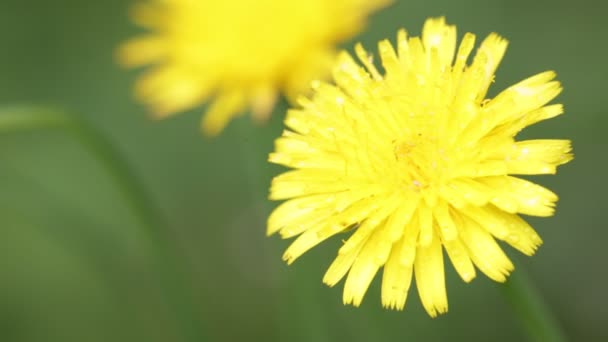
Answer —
(76, 264)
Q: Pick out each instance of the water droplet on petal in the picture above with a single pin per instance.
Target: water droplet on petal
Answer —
(513, 238)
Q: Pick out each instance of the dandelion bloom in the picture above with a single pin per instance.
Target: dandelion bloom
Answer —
(240, 53)
(414, 161)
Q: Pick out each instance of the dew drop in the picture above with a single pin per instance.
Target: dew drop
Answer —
(513, 238)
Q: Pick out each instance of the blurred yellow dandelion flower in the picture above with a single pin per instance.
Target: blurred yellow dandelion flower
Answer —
(414, 161)
(240, 53)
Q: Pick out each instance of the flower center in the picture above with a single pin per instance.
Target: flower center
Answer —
(421, 161)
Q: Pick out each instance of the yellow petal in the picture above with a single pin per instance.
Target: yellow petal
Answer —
(362, 272)
(437, 34)
(459, 256)
(389, 58)
(513, 195)
(168, 89)
(464, 50)
(430, 278)
(293, 211)
(367, 60)
(510, 228)
(367, 227)
(523, 98)
(304, 183)
(445, 223)
(425, 219)
(224, 108)
(533, 157)
(263, 99)
(470, 190)
(308, 240)
(409, 241)
(398, 221)
(403, 49)
(142, 50)
(485, 252)
(340, 266)
(493, 48)
(396, 279)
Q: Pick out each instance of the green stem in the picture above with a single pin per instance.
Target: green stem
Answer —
(297, 303)
(533, 313)
(173, 277)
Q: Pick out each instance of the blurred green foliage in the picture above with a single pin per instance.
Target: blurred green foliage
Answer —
(76, 266)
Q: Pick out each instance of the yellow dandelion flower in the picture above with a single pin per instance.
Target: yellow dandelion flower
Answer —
(240, 53)
(414, 161)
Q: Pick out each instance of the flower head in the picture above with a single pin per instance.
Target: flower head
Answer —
(414, 161)
(241, 53)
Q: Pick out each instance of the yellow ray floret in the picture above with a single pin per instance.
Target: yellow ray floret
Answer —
(237, 54)
(413, 161)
